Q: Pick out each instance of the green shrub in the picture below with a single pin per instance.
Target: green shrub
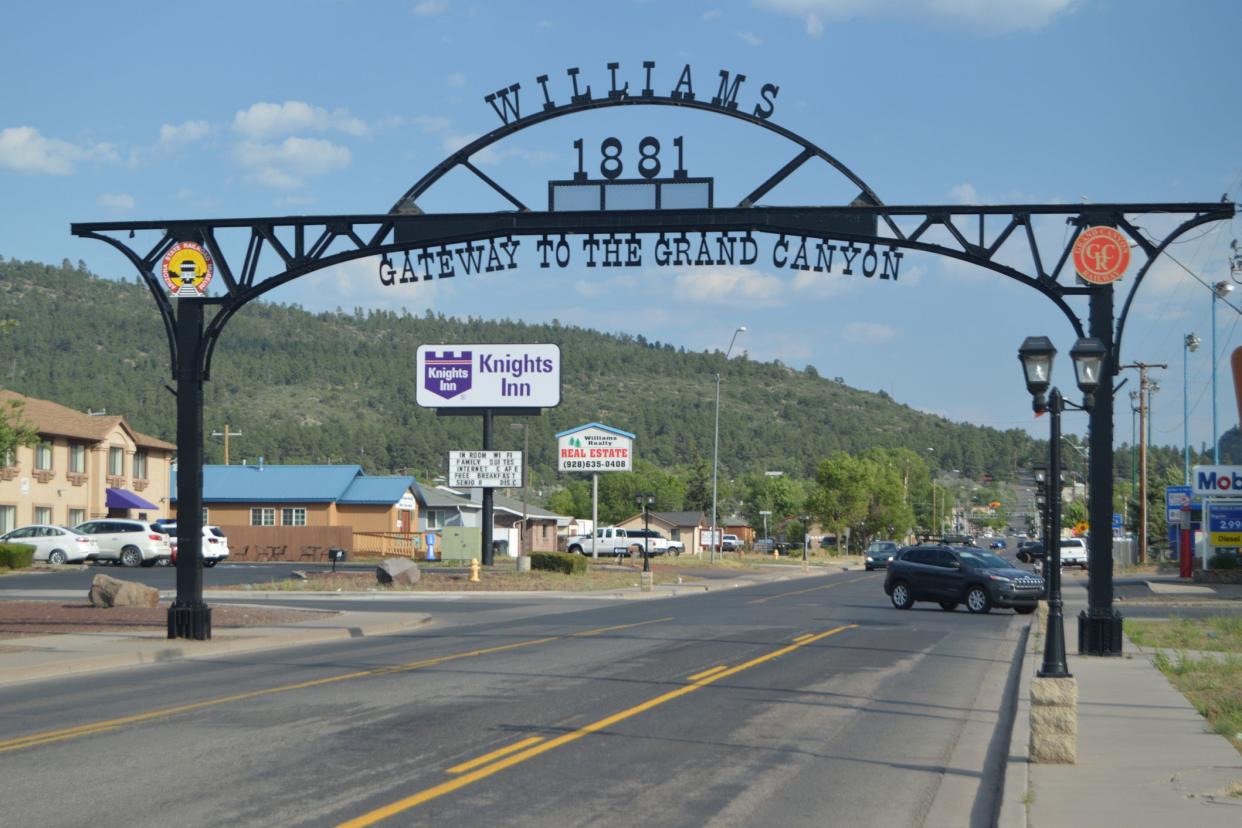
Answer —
(560, 562)
(16, 555)
(1223, 560)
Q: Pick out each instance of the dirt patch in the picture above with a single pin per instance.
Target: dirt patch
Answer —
(24, 618)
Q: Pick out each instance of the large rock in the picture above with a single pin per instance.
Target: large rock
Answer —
(397, 571)
(107, 591)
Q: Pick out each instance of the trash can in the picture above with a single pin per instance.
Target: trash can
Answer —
(500, 547)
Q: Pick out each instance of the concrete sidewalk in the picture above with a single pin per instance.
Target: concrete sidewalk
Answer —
(48, 656)
(1145, 755)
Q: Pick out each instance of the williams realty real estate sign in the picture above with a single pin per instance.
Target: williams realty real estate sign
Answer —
(489, 376)
(594, 447)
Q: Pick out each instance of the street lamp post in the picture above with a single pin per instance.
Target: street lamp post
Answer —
(645, 501)
(1190, 345)
(1036, 355)
(716, 451)
(525, 481)
(1219, 291)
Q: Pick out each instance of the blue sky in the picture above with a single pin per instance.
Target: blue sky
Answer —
(144, 110)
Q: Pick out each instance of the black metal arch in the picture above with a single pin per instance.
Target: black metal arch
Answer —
(408, 201)
(317, 241)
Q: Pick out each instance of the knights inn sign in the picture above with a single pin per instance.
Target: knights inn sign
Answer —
(631, 201)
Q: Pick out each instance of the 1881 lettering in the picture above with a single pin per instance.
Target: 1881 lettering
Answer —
(611, 166)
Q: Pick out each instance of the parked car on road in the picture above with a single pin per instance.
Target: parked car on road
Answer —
(766, 546)
(215, 545)
(729, 543)
(878, 554)
(952, 575)
(1074, 552)
(126, 542)
(999, 543)
(1030, 551)
(54, 544)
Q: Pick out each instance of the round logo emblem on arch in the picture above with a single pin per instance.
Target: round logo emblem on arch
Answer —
(1101, 255)
(187, 270)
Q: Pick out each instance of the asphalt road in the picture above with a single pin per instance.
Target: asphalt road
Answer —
(804, 702)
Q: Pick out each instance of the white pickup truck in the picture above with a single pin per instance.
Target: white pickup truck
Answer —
(1074, 552)
(613, 540)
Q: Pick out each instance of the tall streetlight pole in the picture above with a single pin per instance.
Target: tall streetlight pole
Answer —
(1190, 344)
(525, 480)
(716, 451)
(1219, 291)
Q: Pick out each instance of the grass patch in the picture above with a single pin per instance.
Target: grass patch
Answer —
(1213, 685)
(1218, 634)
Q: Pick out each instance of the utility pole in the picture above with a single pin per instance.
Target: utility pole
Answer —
(226, 434)
(1144, 399)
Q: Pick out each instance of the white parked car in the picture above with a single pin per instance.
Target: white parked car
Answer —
(1074, 552)
(215, 544)
(125, 542)
(54, 544)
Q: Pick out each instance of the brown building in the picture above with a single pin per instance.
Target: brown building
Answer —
(84, 466)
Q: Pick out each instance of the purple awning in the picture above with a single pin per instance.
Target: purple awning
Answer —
(121, 499)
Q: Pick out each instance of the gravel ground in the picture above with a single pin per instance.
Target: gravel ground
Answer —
(22, 618)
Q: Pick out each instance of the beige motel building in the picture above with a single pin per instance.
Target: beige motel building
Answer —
(84, 466)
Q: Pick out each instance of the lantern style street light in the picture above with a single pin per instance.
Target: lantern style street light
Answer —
(1037, 354)
(645, 502)
(716, 450)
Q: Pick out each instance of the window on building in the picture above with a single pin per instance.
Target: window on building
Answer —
(8, 518)
(77, 458)
(262, 517)
(77, 516)
(43, 514)
(433, 519)
(10, 459)
(43, 456)
(292, 517)
(140, 464)
(116, 461)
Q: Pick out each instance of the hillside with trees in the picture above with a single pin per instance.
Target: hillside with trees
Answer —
(339, 387)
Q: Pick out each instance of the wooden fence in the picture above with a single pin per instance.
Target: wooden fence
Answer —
(286, 543)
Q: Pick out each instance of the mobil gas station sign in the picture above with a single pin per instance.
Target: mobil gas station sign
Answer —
(1217, 481)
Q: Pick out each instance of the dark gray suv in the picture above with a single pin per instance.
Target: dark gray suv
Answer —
(952, 575)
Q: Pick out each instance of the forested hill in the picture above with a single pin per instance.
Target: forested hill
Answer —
(306, 387)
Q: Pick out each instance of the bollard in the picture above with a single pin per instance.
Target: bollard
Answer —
(474, 570)
(523, 563)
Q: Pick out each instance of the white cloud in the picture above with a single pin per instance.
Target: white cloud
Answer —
(750, 38)
(986, 17)
(23, 149)
(544, 24)
(430, 8)
(269, 120)
(283, 166)
(965, 193)
(116, 201)
(453, 142)
(455, 80)
(712, 14)
(740, 286)
(867, 333)
(177, 135)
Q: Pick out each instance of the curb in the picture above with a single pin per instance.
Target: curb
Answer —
(1013, 811)
(151, 649)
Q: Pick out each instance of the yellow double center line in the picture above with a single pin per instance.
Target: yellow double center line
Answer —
(515, 758)
(48, 737)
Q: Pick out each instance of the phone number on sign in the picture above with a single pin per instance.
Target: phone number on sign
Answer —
(594, 465)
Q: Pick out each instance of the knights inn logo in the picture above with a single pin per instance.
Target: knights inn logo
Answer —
(448, 374)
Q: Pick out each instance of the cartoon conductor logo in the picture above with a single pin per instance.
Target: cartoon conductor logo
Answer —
(187, 270)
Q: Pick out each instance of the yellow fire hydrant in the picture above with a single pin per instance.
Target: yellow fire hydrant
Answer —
(474, 570)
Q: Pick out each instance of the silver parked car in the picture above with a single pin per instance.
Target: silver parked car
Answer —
(54, 544)
(126, 542)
